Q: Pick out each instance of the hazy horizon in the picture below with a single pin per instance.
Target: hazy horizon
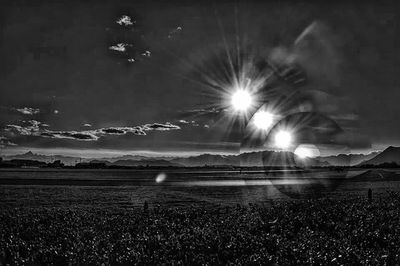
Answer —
(104, 153)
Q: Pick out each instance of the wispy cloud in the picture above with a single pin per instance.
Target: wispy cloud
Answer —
(202, 112)
(36, 128)
(76, 135)
(183, 122)
(5, 142)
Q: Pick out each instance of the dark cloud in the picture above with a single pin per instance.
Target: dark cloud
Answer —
(5, 142)
(162, 127)
(84, 136)
(113, 131)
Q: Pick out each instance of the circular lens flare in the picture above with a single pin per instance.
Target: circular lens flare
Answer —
(306, 151)
(161, 177)
(283, 139)
(241, 100)
(263, 120)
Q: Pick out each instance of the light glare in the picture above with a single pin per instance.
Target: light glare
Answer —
(263, 120)
(283, 139)
(306, 151)
(161, 177)
(241, 100)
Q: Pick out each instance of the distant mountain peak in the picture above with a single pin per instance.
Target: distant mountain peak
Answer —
(390, 155)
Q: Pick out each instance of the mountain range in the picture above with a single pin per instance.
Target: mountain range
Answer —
(389, 155)
(68, 160)
(347, 159)
(259, 158)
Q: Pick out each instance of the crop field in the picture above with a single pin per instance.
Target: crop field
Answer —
(185, 218)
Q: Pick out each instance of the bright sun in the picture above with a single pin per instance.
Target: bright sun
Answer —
(283, 139)
(263, 120)
(241, 100)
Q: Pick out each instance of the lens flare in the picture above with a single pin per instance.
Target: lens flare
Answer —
(241, 100)
(161, 177)
(263, 120)
(283, 139)
(306, 151)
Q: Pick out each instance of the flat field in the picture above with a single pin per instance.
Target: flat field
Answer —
(64, 217)
(181, 187)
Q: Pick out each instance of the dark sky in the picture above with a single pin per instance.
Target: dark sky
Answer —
(151, 75)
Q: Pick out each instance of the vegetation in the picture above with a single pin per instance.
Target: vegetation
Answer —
(315, 232)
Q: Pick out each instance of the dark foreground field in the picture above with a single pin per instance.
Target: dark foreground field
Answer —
(319, 232)
(193, 218)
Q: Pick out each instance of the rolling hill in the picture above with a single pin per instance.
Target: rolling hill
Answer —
(389, 155)
(347, 159)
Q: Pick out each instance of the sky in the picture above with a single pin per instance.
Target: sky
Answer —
(157, 77)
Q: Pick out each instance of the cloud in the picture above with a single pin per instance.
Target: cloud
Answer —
(31, 127)
(138, 130)
(146, 53)
(202, 116)
(119, 47)
(125, 21)
(204, 111)
(183, 122)
(84, 135)
(28, 110)
(36, 128)
(87, 125)
(162, 127)
(5, 142)
(115, 131)
(174, 32)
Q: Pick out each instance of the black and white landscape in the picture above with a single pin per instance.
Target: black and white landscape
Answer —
(199, 132)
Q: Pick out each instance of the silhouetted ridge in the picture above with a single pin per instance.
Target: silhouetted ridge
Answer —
(389, 155)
